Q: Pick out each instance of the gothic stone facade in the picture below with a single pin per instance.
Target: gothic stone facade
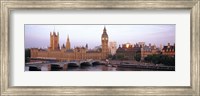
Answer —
(129, 51)
(169, 50)
(66, 53)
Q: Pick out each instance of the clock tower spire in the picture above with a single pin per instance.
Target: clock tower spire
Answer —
(104, 41)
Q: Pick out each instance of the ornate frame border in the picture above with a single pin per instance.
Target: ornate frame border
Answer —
(7, 5)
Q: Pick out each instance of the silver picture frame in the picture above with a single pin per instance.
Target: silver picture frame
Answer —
(6, 6)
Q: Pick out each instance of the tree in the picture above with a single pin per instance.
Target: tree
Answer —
(148, 58)
(120, 57)
(110, 56)
(114, 57)
(137, 57)
(155, 59)
(161, 59)
(27, 55)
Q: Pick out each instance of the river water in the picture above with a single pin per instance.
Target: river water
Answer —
(101, 68)
(105, 68)
(91, 68)
(94, 68)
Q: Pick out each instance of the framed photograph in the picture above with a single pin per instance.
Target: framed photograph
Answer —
(100, 47)
(114, 50)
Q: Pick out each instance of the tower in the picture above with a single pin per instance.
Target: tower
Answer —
(104, 42)
(112, 47)
(86, 46)
(68, 43)
(54, 41)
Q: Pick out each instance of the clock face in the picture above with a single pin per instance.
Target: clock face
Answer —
(104, 38)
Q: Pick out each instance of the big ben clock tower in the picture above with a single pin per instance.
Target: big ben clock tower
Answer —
(104, 41)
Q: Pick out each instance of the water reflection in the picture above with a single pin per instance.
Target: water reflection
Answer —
(104, 68)
(92, 68)
(89, 68)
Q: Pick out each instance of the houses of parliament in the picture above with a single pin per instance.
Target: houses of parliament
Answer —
(67, 53)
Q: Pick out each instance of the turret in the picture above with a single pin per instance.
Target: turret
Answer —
(54, 40)
(168, 45)
(68, 43)
(86, 46)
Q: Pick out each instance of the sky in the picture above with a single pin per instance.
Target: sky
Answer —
(38, 36)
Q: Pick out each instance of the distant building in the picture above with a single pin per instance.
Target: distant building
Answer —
(141, 44)
(161, 47)
(127, 51)
(113, 47)
(169, 50)
(149, 50)
(67, 53)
